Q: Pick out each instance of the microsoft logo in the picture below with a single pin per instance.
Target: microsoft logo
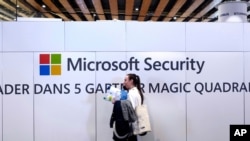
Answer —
(50, 64)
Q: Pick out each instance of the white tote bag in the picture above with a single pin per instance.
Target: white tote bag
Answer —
(142, 125)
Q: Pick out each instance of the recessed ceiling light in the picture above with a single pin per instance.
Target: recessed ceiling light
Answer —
(17, 5)
(136, 9)
(175, 18)
(43, 6)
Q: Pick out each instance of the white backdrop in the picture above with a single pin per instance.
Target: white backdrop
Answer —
(175, 116)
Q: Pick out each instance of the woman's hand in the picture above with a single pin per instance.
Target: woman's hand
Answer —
(113, 100)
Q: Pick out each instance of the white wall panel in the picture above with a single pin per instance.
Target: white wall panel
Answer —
(214, 36)
(49, 116)
(246, 37)
(95, 36)
(1, 99)
(1, 36)
(155, 36)
(65, 115)
(210, 114)
(105, 108)
(33, 36)
(166, 109)
(247, 80)
(18, 106)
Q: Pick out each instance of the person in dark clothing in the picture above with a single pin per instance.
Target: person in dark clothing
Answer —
(135, 96)
(122, 126)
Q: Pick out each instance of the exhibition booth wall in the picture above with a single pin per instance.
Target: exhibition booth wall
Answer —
(54, 75)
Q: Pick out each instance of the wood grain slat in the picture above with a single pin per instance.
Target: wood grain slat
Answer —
(214, 15)
(189, 11)
(7, 14)
(24, 2)
(174, 10)
(161, 6)
(205, 10)
(21, 5)
(144, 9)
(81, 4)
(129, 9)
(70, 10)
(98, 8)
(28, 8)
(5, 18)
(113, 4)
(11, 8)
(39, 8)
(54, 9)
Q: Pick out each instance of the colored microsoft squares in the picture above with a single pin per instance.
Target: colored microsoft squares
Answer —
(44, 59)
(44, 70)
(55, 69)
(56, 59)
(50, 64)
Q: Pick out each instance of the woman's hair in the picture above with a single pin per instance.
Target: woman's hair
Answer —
(137, 83)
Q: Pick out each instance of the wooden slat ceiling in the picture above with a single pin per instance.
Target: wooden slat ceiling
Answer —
(159, 10)
(206, 9)
(190, 9)
(84, 10)
(70, 10)
(55, 10)
(129, 9)
(11, 8)
(39, 8)
(114, 8)
(214, 15)
(98, 8)
(135, 10)
(144, 10)
(174, 10)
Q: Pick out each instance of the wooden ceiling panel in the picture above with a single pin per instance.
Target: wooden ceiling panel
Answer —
(161, 6)
(144, 9)
(85, 11)
(6, 15)
(205, 10)
(129, 9)
(189, 11)
(174, 10)
(214, 15)
(70, 10)
(114, 8)
(55, 10)
(5, 18)
(98, 8)
(11, 8)
(39, 8)
(155, 10)
(22, 6)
